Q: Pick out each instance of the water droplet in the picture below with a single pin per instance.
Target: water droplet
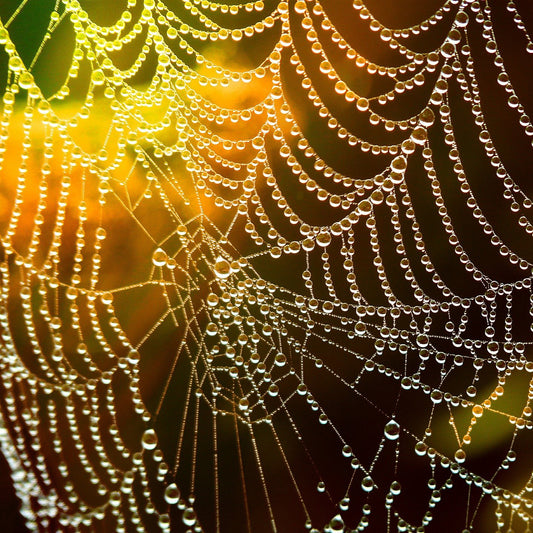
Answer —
(273, 390)
(362, 104)
(336, 524)
(344, 504)
(419, 135)
(159, 258)
(460, 455)
(365, 207)
(149, 439)
(399, 164)
(323, 238)
(367, 484)
(421, 448)
(211, 329)
(189, 517)
(172, 494)
(222, 268)
(392, 430)
(427, 117)
(493, 347)
(212, 300)
(395, 488)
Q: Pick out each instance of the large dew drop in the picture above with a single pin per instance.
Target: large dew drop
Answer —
(222, 268)
(149, 439)
(189, 517)
(336, 524)
(159, 258)
(392, 430)
(172, 494)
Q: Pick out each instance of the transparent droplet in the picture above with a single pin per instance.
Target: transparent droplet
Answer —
(273, 390)
(189, 517)
(392, 430)
(362, 104)
(211, 329)
(460, 455)
(222, 268)
(159, 258)
(344, 504)
(149, 439)
(395, 488)
(419, 135)
(493, 347)
(25, 80)
(212, 300)
(323, 238)
(427, 117)
(365, 207)
(367, 484)
(97, 77)
(172, 494)
(399, 164)
(336, 524)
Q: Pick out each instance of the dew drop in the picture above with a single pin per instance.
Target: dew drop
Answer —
(493, 347)
(344, 504)
(336, 524)
(362, 104)
(323, 238)
(392, 430)
(222, 268)
(395, 488)
(399, 164)
(367, 484)
(427, 117)
(460, 455)
(172, 494)
(149, 439)
(419, 135)
(159, 258)
(189, 517)
(212, 300)
(365, 207)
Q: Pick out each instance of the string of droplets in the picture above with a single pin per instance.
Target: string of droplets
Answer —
(249, 343)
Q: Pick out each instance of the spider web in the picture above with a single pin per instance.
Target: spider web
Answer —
(267, 266)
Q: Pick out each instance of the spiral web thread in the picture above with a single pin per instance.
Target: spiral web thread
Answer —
(270, 297)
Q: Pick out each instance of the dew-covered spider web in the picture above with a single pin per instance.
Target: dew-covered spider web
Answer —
(267, 266)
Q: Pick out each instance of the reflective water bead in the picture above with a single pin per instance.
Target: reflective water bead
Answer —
(222, 268)
(392, 430)
(149, 439)
(367, 484)
(172, 494)
(159, 257)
